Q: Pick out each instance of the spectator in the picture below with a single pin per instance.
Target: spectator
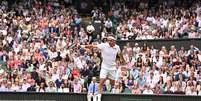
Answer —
(63, 88)
(198, 88)
(90, 29)
(25, 85)
(77, 88)
(158, 90)
(51, 87)
(108, 25)
(168, 91)
(96, 61)
(107, 87)
(41, 88)
(32, 87)
(117, 88)
(59, 81)
(9, 87)
(135, 89)
(148, 90)
(93, 90)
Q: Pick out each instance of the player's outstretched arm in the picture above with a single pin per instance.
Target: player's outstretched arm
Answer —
(88, 46)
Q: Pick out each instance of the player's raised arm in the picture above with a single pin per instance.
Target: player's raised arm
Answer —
(89, 46)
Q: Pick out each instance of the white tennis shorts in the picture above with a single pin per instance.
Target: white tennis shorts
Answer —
(105, 73)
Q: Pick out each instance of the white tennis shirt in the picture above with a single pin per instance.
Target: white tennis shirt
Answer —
(108, 55)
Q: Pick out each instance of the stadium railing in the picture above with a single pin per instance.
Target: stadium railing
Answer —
(32, 96)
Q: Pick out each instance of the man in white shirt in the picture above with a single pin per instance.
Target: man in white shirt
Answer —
(108, 25)
(63, 88)
(109, 51)
(148, 90)
(90, 30)
(151, 80)
(25, 84)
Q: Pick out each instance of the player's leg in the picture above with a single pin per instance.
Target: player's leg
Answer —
(112, 82)
(101, 83)
(111, 76)
(103, 76)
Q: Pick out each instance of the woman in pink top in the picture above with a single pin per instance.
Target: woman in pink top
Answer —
(77, 87)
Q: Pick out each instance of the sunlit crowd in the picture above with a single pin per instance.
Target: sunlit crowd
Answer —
(40, 48)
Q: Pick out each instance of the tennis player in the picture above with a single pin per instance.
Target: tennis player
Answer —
(109, 52)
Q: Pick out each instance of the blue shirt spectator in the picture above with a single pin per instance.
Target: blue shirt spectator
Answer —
(93, 87)
(135, 73)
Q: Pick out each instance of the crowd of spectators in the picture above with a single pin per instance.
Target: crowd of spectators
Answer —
(151, 19)
(160, 71)
(40, 51)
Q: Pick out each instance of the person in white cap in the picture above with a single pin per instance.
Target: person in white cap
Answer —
(109, 51)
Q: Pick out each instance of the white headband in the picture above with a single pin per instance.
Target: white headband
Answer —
(111, 37)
